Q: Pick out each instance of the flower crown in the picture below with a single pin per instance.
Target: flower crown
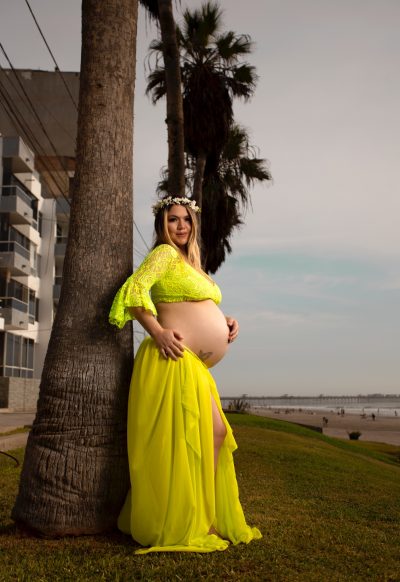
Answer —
(170, 201)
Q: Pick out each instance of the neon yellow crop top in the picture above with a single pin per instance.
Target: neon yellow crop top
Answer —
(169, 277)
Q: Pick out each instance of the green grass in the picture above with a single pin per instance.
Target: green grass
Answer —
(329, 511)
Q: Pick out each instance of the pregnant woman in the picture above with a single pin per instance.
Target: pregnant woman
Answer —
(184, 494)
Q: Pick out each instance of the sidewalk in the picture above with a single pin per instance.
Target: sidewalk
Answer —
(10, 421)
(13, 441)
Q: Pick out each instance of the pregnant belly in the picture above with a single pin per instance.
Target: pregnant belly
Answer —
(202, 325)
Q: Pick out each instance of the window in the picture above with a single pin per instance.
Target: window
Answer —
(30, 348)
(17, 351)
(32, 306)
(40, 225)
(3, 287)
(4, 227)
(9, 349)
(19, 238)
(16, 294)
(34, 206)
(59, 233)
(24, 358)
(17, 361)
(34, 258)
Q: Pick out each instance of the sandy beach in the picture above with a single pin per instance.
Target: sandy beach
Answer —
(384, 429)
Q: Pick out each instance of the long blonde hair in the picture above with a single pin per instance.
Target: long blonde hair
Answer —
(161, 236)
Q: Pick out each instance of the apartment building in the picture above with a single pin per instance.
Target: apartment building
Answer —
(37, 162)
(28, 265)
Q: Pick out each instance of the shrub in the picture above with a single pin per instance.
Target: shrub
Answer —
(354, 435)
(238, 405)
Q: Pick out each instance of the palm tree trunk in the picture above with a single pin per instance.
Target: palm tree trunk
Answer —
(75, 473)
(176, 160)
(198, 178)
(197, 194)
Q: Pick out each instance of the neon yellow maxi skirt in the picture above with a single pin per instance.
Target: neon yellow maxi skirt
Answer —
(174, 498)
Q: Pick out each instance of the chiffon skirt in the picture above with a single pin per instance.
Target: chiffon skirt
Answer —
(175, 496)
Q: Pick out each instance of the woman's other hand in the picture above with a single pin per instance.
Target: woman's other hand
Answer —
(169, 343)
(233, 327)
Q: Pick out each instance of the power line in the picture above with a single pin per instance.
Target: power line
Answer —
(13, 113)
(141, 236)
(52, 56)
(60, 125)
(39, 121)
(37, 117)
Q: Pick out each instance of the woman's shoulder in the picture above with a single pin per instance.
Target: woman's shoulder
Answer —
(163, 250)
(163, 253)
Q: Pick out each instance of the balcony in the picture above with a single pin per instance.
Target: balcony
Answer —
(17, 204)
(14, 312)
(19, 157)
(14, 258)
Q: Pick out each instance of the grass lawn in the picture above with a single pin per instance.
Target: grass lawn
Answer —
(329, 511)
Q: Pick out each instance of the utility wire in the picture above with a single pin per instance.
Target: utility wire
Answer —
(60, 125)
(36, 115)
(22, 97)
(33, 108)
(13, 112)
(19, 119)
(141, 236)
(52, 56)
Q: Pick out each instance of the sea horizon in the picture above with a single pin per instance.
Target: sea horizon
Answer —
(378, 404)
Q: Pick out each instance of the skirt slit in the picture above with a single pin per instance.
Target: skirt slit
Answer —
(175, 494)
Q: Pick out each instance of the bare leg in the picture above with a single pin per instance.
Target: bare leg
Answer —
(219, 434)
(219, 431)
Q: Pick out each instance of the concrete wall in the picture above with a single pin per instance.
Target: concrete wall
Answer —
(19, 394)
(45, 293)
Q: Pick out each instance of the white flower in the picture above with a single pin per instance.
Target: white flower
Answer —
(169, 201)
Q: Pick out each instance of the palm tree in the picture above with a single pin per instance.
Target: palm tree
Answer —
(75, 473)
(226, 194)
(162, 13)
(212, 76)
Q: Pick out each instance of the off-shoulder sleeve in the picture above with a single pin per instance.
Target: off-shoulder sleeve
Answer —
(135, 292)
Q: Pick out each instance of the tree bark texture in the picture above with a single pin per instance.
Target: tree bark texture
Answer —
(75, 474)
(197, 194)
(176, 159)
(198, 178)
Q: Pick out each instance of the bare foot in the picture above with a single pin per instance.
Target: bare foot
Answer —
(212, 530)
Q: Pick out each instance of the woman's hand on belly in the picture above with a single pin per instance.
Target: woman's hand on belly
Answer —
(168, 342)
(233, 327)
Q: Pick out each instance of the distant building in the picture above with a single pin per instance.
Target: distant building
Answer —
(37, 163)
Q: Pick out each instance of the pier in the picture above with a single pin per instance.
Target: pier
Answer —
(377, 400)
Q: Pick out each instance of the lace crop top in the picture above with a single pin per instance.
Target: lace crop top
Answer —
(171, 280)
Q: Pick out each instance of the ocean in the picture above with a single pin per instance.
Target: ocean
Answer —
(388, 406)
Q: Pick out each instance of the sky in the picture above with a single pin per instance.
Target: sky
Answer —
(314, 277)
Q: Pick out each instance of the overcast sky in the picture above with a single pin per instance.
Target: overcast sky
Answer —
(314, 277)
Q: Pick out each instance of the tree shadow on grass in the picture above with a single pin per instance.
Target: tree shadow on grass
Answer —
(113, 538)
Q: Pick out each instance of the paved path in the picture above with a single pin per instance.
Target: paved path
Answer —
(10, 421)
(384, 429)
(13, 441)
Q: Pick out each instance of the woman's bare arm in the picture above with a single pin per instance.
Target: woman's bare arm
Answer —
(168, 341)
